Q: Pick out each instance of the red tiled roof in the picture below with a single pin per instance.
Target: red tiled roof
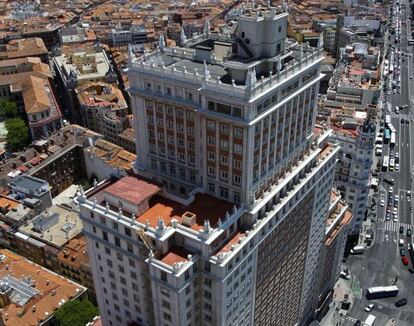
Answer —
(175, 255)
(132, 189)
(35, 160)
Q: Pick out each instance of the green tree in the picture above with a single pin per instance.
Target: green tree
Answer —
(8, 109)
(76, 313)
(17, 134)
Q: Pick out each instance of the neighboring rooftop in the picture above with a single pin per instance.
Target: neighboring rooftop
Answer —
(113, 155)
(74, 253)
(30, 292)
(84, 65)
(24, 47)
(29, 185)
(56, 226)
(100, 94)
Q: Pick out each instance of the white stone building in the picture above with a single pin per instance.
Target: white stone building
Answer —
(224, 223)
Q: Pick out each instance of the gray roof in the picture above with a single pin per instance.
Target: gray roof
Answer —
(32, 184)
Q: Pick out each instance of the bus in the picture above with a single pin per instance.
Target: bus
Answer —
(392, 141)
(370, 320)
(391, 128)
(385, 163)
(392, 164)
(379, 292)
(387, 136)
(387, 119)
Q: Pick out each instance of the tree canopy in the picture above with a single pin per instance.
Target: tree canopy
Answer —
(17, 134)
(8, 109)
(76, 313)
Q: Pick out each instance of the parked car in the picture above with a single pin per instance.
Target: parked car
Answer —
(369, 307)
(401, 229)
(401, 302)
(402, 252)
(408, 232)
(404, 260)
(345, 275)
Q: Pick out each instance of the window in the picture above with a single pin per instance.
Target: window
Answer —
(224, 128)
(237, 179)
(238, 149)
(224, 159)
(224, 192)
(211, 187)
(211, 171)
(117, 241)
(211, 156)
(163, 276)
(104, 235)
(211, 140)
(236, 197)
(130, 248)
(237, 164)
(127, 231)
(211, 125)
(224, 144)
(223, 175)
(238, 132)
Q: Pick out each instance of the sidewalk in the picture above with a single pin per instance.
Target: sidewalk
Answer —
(335, 314)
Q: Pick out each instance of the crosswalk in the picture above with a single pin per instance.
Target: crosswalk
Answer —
(395, 227)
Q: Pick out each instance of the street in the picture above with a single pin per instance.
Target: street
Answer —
(381, 264)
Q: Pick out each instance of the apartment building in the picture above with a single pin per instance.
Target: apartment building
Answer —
(103, 109)
(132, 35)
(74, 264)
(354, 85)
(30, 294)
(25, 47)
(227, 219)
(76, 67)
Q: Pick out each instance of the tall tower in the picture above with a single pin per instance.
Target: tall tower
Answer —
(225, 221)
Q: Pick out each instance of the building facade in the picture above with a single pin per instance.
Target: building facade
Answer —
(232, 186)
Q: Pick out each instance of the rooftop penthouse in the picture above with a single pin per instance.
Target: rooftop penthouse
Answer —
(245, 64)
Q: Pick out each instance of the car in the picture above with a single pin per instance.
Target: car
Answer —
(357, 323)
(390, 189)
(396, 198)
(408, 233)
(397, 167)
(388, 210)
(395, 219)
(395, 211)
(396, 153)
(369, 307)
(408, 193)
(411, 270)
(401, 302)
(401, 229)
(404, 260)
(402, 252)
(382, 203)
(345, 275)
